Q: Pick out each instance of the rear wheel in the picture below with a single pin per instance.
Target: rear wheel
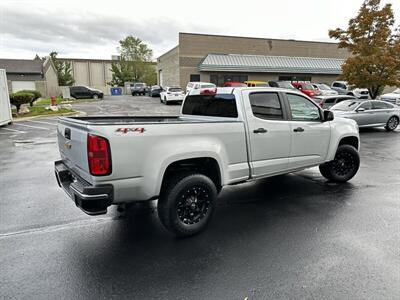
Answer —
(392, 123)
(187, 203)
(344, 166)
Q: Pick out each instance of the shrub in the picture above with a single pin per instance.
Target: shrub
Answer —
(20, 98)
(36, 95)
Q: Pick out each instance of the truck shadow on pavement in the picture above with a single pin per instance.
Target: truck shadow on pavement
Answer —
(270, 219)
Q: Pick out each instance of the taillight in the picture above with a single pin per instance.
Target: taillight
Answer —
(99, 155)
(211, 91)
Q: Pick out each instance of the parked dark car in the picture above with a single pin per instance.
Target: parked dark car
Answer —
(82, 92)
(327, 102)
(282, 84)
(138, 88)
(155, 91)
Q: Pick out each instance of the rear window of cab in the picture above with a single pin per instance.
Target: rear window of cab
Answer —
(220, 105)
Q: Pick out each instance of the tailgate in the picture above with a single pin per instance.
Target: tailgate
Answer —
(72, 143)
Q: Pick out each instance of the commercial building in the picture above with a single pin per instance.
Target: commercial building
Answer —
(94, 73)
(218, 59)
(25, 74)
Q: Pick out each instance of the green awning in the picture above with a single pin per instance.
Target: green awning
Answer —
(270, 64)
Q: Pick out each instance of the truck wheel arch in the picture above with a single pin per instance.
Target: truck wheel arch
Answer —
(350, 140)
(207, 166)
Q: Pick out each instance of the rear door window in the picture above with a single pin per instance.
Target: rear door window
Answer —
(266, 106)
(380, 105)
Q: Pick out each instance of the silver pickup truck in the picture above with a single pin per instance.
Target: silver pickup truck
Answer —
(222, 137)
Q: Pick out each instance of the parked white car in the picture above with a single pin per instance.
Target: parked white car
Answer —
(344, 88)
(325, 89)
(229, 137)
(393, 97)
(172, 94)
(194, 88)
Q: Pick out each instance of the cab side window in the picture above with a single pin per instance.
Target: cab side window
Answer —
(266, 106)
(366, 105)
(303, 109)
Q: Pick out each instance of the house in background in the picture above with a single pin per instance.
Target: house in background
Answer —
(25, 74)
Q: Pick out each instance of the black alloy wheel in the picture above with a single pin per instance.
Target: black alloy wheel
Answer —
(187, 203)
(344, 166)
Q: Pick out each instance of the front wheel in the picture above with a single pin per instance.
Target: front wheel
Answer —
(187, 203)
(344, 166)
(95, 97)
(392, 123)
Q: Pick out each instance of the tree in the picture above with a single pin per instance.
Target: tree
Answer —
(20, 98)
(63, 69)
(134, 64)
(375, 47)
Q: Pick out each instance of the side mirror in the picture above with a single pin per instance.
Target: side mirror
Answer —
(360, 109)
(328, 115)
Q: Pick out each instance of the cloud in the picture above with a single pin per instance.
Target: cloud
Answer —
(43, 31)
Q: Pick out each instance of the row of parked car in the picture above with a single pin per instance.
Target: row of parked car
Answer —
(344, 100)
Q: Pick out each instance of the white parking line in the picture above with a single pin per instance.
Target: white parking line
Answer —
(36, 127)
(41, 122)
(14, 130)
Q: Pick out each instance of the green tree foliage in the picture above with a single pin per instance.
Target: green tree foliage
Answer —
(20, 98)
(134, 64)
(63, 69)
(35, 95)
(374, 43)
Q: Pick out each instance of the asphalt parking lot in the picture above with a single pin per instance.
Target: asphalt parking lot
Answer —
(288, 237)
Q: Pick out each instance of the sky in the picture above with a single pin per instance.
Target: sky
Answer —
(92, 29)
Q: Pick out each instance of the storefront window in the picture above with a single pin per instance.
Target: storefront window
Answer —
(220, 79)
(300, 78)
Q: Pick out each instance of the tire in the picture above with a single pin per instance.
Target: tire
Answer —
(95, 97)
(133, 94)
(344, 166)
(392, 123)
(187, 203)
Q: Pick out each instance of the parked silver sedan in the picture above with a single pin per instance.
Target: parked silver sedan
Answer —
(369, 113)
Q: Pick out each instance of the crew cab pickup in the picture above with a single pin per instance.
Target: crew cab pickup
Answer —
(223, 138)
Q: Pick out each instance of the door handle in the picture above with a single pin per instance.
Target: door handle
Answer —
(298, 129)
(260, 130)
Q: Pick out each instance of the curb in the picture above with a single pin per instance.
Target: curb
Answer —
(78, 113)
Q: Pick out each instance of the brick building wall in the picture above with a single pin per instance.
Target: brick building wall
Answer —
(180, 63)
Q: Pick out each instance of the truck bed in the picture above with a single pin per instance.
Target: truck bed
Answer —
(117, 120)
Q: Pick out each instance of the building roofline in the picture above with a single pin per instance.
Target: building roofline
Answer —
(275, 56)
(169, 51)
(85, 59)
(258, 38)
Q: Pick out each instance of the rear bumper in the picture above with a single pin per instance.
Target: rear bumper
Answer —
(93, 200)
(175, 98)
